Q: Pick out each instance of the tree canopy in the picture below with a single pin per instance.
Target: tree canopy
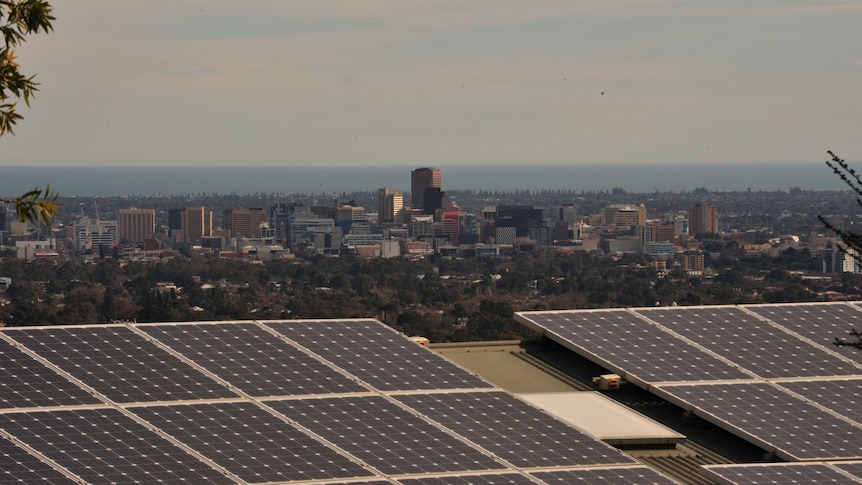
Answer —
(19, 19)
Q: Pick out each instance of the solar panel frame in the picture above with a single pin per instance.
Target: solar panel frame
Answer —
(770, 417)
(778, 474)
(852, 467)
(27, 382)
(119, 364)
(629, 345)
(250, 442)
(18, 465)
(820, 323)
(252, 359)
(634, 475)
(484, 479)
(843, 397)
(384, 435)
(513, 430)
(377, 355)
(95, 444)
(753, 343)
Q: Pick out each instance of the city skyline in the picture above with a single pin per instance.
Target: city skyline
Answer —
(482, 83)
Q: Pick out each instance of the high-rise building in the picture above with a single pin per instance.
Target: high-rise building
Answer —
(136, 225)
(452, 226)
(197, 222)
(389, 205)
(702, 219)
(421, 179)
(625, 215)
(521, 217)
(568, 213)
(244, 222)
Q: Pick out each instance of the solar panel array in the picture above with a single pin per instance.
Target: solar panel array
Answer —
(768, 373)
(837, 473)
(340, 401)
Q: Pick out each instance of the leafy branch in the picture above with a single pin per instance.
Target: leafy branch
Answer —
(18, 19)
(851, 242)
(22, 18)
(36, 206)
(857, 343)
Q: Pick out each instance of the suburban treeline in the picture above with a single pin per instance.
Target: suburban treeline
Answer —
(441, 299)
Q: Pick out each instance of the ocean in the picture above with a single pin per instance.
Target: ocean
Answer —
(161, 180)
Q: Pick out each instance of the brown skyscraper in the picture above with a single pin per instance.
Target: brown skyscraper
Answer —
(421, 179)
(197, 222)
(244, 222)
(702, 219)
(136, 225)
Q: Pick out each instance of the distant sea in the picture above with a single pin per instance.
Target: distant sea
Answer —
(160, 180)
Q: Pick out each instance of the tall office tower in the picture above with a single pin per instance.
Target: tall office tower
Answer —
(568, 213)
(244, 222)
(421, 179)
(521, 217)
(136, 225)
(389, 204)
(702, 219)
(175, 223)
(432, 200)
(452, 226)
(625, 215)
(197, 222)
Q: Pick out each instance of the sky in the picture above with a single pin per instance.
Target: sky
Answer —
(442, 83)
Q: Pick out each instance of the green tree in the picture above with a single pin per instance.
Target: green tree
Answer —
(851, 242)
(18, 19)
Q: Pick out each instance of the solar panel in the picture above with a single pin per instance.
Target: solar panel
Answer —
(120, 364)
(639, 475)
(19, 466)
(499, 479)
(26, 382)
(378, 355)
(250, 442)
(775, 420)
(384, 435)
(105, 446)
(779, 474)
(629, 345)
(853, 468)
(751, 342)
(513, 430)
(818, 322)
(252, 359)
(844, 397)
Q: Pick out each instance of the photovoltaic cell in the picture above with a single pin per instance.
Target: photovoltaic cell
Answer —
(120, 364)
(513, 430)
(250, 442)
(105, 446)
(378, 355)
(634, 346)
(252, 359)
(640, 475)
(750, 342)
(384, 435)
(26, 382)
(844, 397)
(798, 431)
(20, 467)
(854, 468)
(500, 479)
(818, 322)
(780, 474)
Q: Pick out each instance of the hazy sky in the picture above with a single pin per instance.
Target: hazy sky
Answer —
(261, 82)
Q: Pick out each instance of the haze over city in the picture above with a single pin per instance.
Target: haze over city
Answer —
(442, 83)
